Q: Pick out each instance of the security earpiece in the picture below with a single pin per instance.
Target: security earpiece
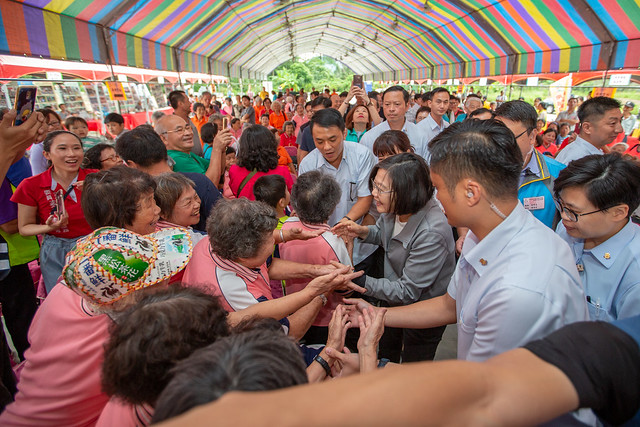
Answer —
(469, 194)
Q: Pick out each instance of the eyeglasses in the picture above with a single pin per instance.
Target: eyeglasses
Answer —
(113, 158)
(179, 130)
(53, 124)
(375, 186)
(572, 215)
(521, 133)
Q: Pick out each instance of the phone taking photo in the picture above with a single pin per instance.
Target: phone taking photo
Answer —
(358, 81)
(25, 103)
(225, 122)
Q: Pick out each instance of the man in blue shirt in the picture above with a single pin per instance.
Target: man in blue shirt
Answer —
(596, 195)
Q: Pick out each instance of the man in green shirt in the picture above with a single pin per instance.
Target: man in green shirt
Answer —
(178, 138)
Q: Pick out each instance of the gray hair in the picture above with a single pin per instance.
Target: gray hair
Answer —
(237, 228)
(169, 188)
(315, 196)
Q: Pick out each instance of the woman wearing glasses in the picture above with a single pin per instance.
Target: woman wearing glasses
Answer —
(39, 198)
(38, 162)
(596, 196)
(419, 249)
(102, 157)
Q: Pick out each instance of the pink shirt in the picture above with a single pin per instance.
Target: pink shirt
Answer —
(121, 414)
(60, 382)
(239, 286)
(299, 122)
(319, 250)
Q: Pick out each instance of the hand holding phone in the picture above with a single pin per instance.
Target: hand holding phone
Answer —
(225, 122)
(60, 209)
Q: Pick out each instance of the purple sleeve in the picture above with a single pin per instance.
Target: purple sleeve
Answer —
(8, 209)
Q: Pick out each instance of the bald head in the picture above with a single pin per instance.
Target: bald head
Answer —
(168, 122)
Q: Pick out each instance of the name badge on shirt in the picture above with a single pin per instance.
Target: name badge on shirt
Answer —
(534, 203)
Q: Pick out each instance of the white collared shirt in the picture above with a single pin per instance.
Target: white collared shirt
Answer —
(577, 150)
(430, 129)
(352, 175)
(416, 137)
(518, 284)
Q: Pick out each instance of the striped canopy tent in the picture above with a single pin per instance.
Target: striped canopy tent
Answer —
(383, 40)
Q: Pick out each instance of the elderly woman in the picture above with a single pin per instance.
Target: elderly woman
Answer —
(257, 156)
(232, 263)
(314, 197)
(419, 249)
(277, 118)
(104, 274)
(179, 203)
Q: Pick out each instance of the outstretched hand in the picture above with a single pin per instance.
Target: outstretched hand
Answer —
(297, 233)
(371, 323)
(338, 327)
(16, 139)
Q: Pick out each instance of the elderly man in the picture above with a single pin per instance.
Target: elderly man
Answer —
(177, 136)
(471, 104)
(181, 105)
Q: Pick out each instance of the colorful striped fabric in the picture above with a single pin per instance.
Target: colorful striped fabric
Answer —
(382, 39)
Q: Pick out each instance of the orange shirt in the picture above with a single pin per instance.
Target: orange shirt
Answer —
(277, 120)
(199, 123)
(283, 157)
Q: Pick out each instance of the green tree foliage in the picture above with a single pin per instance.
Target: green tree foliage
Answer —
(316, 72)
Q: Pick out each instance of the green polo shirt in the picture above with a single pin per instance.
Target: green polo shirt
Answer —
(188, 162)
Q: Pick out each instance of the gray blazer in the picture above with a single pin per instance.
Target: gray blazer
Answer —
(418, 262)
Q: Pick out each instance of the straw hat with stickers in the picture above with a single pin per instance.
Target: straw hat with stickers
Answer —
(111, 263)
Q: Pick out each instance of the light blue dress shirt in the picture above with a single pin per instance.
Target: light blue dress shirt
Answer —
(517, 284)
(416, 137)
(352, 175)
(610, 273)
(577, 150)
(430, 129)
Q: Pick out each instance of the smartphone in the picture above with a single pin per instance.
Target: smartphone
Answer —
(225, 122)
(25, 103)
(60, 203)
(358, 81)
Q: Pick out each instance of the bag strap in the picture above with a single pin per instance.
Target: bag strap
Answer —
(245, 181)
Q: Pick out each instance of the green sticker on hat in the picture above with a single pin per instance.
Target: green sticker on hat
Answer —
(129, 269)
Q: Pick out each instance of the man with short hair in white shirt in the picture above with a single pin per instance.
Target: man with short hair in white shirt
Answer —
(349, 163)
(500, 295)
(599, 125)
(435, 123)
(395, 102)
(570, 115)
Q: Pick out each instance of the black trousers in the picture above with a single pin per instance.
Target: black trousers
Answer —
(19, 304)
(410, 345)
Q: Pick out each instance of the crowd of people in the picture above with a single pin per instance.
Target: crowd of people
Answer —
(302, 238)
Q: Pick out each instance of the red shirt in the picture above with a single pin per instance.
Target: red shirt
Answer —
(288, 141)
(36, 191)
(237, 174)
(552, 148)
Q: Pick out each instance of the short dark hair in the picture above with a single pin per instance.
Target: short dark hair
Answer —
(49, 112)
(520, 112)
(405, 94)
(257, 149)
(427, 97)
(270, 189)
(344, 94)
(327, 118)
(208, 131)
(392, 142)
(246, 97)
(149, 338)
(479, 111)
(608, 180)
(175, 96)
(238, 227)
(439, 90)
(321, 100)
(114, 118)
(72, 120)
(197, 105)
(411, 187)
(92, 156)
(315, 196)
(255, 360)
(423, 109)
(142, 146)
(454, 97)
(594, 108)
(110, 197)
(51, 136)
(485, 150)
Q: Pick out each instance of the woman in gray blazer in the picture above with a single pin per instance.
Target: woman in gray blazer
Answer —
(419, 248)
